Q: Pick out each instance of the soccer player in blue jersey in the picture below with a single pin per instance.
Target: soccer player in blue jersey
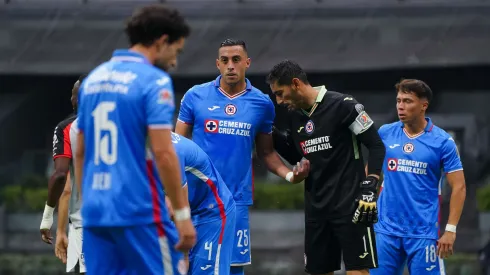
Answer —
(227, 117)
(122, 103)
(212, 210)
(417, 155)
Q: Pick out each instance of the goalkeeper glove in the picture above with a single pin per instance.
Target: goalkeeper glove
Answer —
(367, 211)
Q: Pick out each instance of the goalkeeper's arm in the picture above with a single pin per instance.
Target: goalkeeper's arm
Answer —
(283, 144)
(366, 211)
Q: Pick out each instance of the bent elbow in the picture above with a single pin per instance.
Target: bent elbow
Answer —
(66, 193)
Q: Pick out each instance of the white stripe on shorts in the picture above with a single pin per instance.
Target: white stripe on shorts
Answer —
(166, 256)
(441, 266)
(216, 263)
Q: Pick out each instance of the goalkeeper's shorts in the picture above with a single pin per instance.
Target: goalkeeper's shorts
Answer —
(326, 241)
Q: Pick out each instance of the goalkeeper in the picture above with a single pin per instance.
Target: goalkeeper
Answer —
(328, 128)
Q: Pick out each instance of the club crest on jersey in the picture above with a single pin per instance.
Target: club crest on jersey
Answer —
(408, 148)
(359, 108)
(211, 126)
(392, 163)
(165, 97)
(309, 127)
(230, 109)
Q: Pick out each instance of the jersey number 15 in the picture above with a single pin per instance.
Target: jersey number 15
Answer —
(105, 134)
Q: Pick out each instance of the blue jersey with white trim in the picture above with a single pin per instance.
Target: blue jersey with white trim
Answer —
(209, 198)
(225, 128)
(118, 101)
(410, 199)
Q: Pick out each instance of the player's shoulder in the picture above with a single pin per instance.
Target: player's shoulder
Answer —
(390, 128)
(439, 134)
(260, 96)
(154, 75)
(66, 121)
(338, 98)
(200, 90)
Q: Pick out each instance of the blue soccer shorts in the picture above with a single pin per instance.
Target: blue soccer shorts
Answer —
(213, 250)
(241, 248)
(420, 255)
(145, 249)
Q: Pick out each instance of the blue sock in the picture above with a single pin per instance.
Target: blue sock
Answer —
(237, 270)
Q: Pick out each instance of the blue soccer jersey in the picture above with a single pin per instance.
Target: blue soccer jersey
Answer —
(209, 198)
(226, 127)
(212, 210)
(410, 199)
(118, 102)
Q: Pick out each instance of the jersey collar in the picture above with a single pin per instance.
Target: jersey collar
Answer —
(128, 56)
(427, 128)
(247, 88)
(321, 94)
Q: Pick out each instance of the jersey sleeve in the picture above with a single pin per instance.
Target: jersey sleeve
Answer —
(159, 104)
(186, 112)
(450, 157)
(182, 173)
(61, 141)
(382, 131)
(268, 118)
(354, 116)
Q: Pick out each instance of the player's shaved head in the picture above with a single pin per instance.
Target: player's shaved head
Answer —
(74, 91)
(418, 87)
(233, 42)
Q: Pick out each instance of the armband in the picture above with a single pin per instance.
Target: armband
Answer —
(289, 176)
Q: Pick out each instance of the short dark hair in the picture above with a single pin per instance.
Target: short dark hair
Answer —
(233, 42)
(82, 77)
(418, 87)
(149, 23)
(284, 72)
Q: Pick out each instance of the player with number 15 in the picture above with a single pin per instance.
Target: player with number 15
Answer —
(122, 103)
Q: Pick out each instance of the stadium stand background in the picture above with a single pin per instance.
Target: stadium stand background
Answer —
(360, 47)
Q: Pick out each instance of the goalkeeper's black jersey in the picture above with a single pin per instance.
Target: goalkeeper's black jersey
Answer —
(326, 136)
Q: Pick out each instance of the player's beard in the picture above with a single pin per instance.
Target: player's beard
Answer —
(296, 101)
(162, 65)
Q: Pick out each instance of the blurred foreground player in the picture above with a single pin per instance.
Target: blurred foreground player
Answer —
(227, 117)
(212, 209)
(418, 152)
(124, 102)
(327, 128)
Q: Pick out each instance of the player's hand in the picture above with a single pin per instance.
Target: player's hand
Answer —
(445, 245)
(187, 235)
(46, 223)
(367, 211)
(46, 235)
(300, 171)
(61, 246)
